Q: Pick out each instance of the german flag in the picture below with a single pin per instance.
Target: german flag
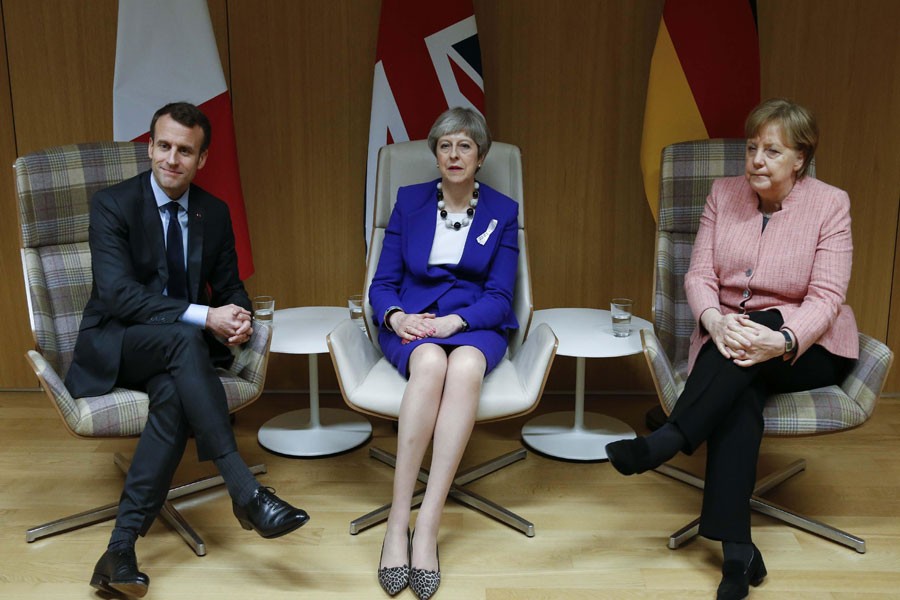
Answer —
(704, 78)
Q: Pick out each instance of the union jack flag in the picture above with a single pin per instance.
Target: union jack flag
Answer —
(428, 60)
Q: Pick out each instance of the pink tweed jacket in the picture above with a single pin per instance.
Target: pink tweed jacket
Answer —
(800, 265)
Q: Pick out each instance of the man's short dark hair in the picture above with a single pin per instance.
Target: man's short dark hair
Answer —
(184, 113)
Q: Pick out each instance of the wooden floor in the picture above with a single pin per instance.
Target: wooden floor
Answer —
(599, 535)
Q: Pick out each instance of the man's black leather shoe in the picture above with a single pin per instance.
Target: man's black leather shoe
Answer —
(117, 573)
(738, 577)
(269, 515)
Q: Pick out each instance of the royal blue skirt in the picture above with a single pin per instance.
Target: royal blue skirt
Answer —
(491, 343)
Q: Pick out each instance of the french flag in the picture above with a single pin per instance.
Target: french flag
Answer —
(166, 52)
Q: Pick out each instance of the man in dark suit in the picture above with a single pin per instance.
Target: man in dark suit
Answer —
(165, 304)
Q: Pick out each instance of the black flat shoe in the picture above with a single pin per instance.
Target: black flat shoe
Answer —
(116, 573)
(738, 577)
(269, 515)
(630, 457)
(393, 580)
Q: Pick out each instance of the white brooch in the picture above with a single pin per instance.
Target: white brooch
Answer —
(483, 238)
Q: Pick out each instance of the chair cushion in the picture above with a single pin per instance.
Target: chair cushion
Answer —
(381, 392)
(814, 411)
(120, 413)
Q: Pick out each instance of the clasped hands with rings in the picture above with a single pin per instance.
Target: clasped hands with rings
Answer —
(422, 325)
(742, 340)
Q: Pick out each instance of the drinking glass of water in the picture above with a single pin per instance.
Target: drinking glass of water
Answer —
(263, 309)
(620, 309)
(355, 303)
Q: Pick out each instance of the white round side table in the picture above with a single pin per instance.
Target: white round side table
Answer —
(576, 435)
(313, 431)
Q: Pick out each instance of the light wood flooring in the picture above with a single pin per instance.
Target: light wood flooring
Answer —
(599, 535)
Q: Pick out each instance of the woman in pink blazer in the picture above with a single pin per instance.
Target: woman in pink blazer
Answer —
(767, 283)
(443, 294)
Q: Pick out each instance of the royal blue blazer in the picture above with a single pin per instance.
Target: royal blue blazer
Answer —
(479, 289)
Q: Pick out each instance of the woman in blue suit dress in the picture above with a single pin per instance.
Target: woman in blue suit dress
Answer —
(443, 292)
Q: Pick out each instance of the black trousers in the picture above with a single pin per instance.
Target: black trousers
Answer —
(172, 363)
(722, 405)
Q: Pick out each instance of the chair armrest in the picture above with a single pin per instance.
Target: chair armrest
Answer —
(668, 385)
(534, 358)
(866, 379)
(56, 390)
(352, 354)
(252, 359)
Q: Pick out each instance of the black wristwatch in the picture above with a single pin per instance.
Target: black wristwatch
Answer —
(465, 323)
(788, 342)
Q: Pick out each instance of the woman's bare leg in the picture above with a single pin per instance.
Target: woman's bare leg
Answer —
(455, 419)
(418, 413)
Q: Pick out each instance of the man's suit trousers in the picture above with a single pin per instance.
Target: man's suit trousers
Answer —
(172, 363)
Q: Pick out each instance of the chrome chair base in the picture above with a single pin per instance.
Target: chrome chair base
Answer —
(457, 493)
(761, 505)
(168, 512)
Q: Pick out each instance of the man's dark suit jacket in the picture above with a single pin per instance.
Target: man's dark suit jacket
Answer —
(128, 259)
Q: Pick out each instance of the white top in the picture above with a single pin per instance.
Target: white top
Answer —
(302, 330)
(587, 332)
(447, 248)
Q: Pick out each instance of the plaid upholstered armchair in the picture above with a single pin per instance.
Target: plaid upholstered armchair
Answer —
(687, 172)
(54, 188)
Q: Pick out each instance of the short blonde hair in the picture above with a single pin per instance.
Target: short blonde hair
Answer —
(798, 124)
(461, 120)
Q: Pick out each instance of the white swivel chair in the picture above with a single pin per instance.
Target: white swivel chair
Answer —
(370, 384)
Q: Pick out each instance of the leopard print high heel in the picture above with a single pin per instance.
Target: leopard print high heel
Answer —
(424, 583)
(393, 580)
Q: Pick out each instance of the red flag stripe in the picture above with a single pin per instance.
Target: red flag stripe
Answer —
(401, 46)
(221, 176)
(427, 60)
(718, 47)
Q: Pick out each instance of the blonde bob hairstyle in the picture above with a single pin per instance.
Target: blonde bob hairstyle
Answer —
(798, 126)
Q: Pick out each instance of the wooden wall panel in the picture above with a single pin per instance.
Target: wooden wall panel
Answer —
(61, 61)
(14, 371)
(218, 15)
(842, 60)
(893, 337)
(61, 57)
(302, 87)
(565, 80)
(62, 64)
